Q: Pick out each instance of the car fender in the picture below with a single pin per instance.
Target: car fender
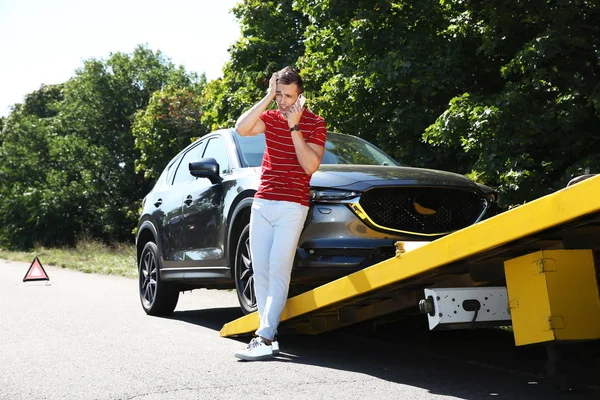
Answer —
(245, 201)
(147, 225)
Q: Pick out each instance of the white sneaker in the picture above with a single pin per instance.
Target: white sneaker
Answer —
(257, 350)
(275, 347)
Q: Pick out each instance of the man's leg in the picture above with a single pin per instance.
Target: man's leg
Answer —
(261, 240)
(288, 226)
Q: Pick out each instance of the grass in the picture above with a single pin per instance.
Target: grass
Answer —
(87, 256)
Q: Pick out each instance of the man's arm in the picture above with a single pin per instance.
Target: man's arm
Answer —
(249, 123)
(309, 154)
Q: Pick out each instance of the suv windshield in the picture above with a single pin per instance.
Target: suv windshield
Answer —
(339, 149)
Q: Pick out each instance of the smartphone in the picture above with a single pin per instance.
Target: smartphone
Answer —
(301, 99)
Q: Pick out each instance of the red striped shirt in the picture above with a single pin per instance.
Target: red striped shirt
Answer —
(282, 177)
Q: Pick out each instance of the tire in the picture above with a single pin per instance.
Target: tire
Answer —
(157, 297)
(244, 274)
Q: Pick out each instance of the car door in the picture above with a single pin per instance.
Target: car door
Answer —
(203, 219)
(167, 214)
(183, 184)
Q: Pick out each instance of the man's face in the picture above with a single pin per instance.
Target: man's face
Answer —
(286, 96)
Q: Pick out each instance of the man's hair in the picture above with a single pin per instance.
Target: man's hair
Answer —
(289, 75)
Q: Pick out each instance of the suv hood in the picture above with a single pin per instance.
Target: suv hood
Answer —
(362, 177)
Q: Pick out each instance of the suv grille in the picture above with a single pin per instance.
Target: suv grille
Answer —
(422, 210)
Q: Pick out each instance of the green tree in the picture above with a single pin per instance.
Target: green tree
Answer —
(161, 130)
(100, 104)
(539, 127)
(2, 123)
(44, 102)
(385, 70)
(50, 182)
(68, 154)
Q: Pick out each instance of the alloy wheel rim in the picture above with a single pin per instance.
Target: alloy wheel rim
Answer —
(148, 278)
(246, 277)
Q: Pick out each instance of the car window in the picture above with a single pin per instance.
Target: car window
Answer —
(339, 149)
(216, 149)
(251, 149)
(346, 149)
(183, 170)
(171, 170)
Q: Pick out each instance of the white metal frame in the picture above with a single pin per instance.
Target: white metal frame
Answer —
(448, 305)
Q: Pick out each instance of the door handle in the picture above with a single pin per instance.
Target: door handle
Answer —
(188, 200)
(158, 203)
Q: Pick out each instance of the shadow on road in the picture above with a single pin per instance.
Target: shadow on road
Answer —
(466, 364)
(467, 367)
(212, 318)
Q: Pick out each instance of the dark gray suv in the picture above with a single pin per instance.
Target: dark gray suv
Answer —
(193, 230)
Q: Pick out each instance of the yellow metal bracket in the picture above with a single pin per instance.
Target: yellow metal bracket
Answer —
(558, 301)
(556, 322)
(544, 265)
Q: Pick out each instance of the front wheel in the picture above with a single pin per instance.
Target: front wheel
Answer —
(157, 297)
(244, 274)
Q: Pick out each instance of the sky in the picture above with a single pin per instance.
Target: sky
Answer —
(46, 41)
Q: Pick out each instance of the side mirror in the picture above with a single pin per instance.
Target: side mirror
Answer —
(206, 168)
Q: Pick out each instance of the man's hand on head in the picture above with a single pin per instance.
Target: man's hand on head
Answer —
(272, 91)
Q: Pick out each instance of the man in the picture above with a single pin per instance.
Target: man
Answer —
(295, 140)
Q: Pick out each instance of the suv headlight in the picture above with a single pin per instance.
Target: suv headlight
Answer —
(332, 195)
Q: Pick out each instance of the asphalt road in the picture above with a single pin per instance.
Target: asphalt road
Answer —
(86, 337)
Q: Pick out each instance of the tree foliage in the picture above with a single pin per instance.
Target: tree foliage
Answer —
(507, 92)
(540, 127)
(47, 183)
(167, 125)
(69, 154)
(384, 70)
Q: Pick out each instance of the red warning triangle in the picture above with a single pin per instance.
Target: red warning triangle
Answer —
(36, 272)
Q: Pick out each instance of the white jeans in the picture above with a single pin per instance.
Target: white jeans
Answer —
(275, 228)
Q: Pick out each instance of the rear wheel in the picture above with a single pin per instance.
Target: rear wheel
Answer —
(157, 297)
(244, 274)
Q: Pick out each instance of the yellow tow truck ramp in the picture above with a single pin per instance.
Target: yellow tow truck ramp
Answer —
(532, 267)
